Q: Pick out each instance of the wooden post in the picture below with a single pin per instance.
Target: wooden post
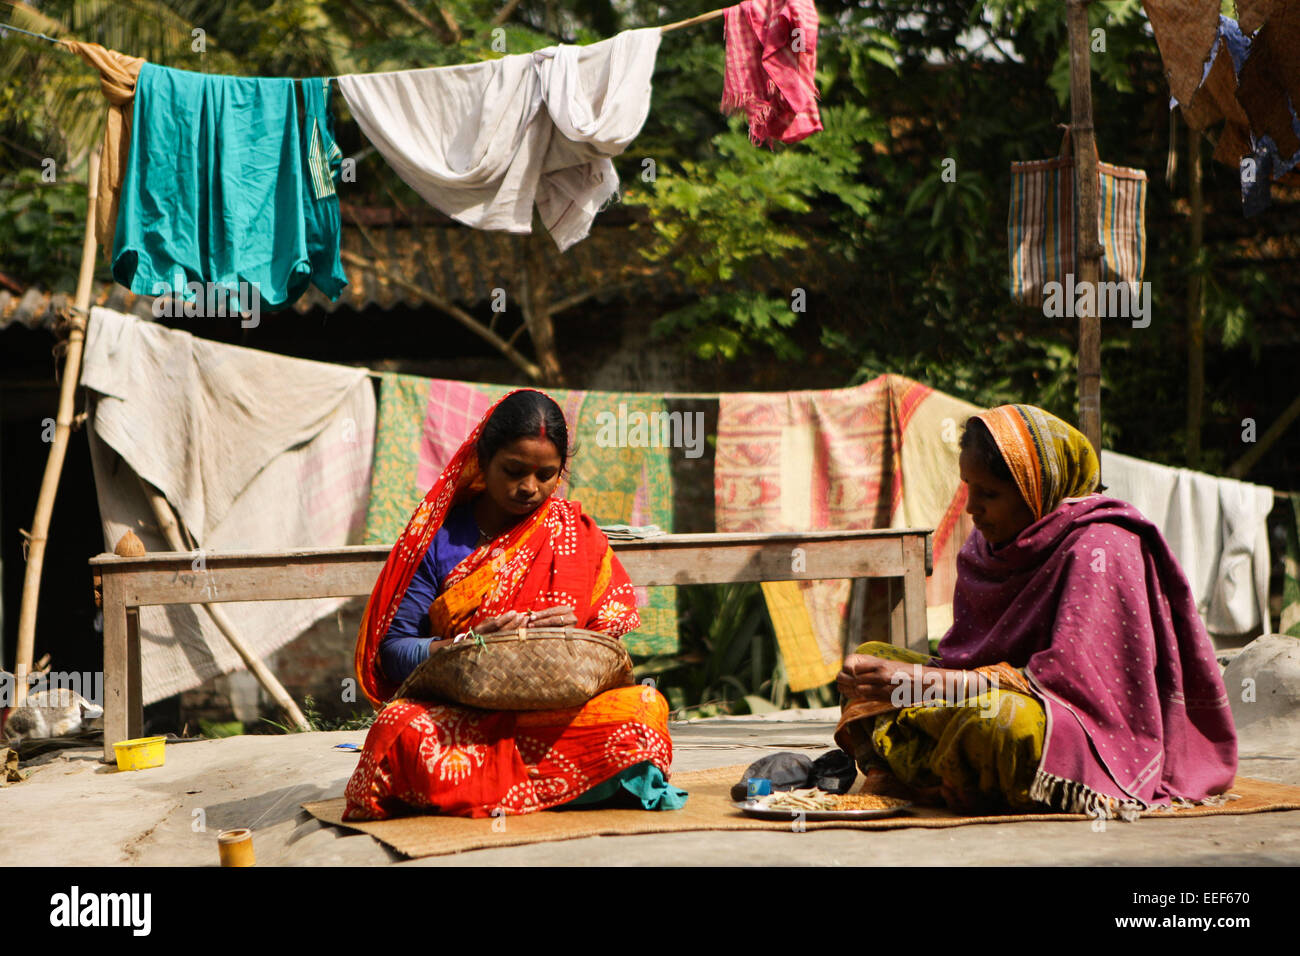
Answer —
(58, 450)
(1195, 307)
(1087, 245)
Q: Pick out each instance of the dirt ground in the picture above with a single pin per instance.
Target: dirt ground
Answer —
(74, 810)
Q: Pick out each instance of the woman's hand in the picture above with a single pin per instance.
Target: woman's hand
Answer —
(560, 616)
(873, 678)
(902, 684)
(502, 622)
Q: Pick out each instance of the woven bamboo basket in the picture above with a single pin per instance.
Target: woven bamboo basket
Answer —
(544, 668)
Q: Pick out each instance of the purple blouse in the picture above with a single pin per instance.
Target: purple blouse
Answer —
(407, 642)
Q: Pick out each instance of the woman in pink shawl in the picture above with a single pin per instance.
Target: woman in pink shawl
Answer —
(1077, 674)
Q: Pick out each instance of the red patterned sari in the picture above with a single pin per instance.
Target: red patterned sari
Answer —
(467, 762)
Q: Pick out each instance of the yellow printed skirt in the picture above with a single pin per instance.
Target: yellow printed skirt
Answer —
(978, 756)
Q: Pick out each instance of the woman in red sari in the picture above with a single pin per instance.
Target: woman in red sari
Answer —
(491, 548)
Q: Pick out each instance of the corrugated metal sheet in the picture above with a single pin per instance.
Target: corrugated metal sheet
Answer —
(36, 309)
(454, 263)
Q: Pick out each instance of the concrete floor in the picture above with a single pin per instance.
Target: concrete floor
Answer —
(75, 811)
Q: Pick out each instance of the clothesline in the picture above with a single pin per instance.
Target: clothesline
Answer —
(40, 36)
(689, 22)
(669, 395)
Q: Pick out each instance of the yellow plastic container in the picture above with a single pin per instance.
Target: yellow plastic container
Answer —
(140, 753)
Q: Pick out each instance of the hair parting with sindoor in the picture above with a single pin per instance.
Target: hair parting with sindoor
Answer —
(525, 414)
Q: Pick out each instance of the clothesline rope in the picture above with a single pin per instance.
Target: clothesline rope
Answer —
(5, 27)
(689, 22)
(670, 395)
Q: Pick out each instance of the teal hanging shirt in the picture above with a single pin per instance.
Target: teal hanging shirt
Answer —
(226, 184)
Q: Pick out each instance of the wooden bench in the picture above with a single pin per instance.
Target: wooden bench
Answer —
(126, 584)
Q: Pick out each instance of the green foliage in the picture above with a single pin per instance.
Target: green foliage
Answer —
(728, 662)
(715, 219)
(43, 224)
(1231, 307)
(730, 325)
(217, 729)
(357, 720)
(957, 208)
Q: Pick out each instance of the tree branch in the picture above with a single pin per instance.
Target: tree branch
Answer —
(578, 298)
(1248, 461)
(505, 13)
(533, 371)
(453, 28)
(443, 34)
(367, 18)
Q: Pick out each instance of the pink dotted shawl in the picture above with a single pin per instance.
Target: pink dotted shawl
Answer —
(1091, 602)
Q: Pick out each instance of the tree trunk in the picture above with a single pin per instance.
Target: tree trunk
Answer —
(536, 306)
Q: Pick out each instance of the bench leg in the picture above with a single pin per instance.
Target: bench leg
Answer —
(116, 667)
(897, 611)
(134, 696)
(857, 614)
(914, 595)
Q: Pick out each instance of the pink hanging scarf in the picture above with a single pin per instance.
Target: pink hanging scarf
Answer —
(771, 61)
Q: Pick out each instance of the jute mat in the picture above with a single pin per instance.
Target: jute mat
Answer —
(709, 808)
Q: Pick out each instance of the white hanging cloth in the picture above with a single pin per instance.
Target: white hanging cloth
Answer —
(255, 451)
(1216, 527)
(484, 141)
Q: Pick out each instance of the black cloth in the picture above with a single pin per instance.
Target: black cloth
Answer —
(833, 772)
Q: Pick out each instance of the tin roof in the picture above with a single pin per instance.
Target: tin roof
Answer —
(453, 263)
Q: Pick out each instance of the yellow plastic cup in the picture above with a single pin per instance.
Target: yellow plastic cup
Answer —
(140, 753)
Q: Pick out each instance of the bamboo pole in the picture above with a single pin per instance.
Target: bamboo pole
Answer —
(171, 531)
(1088, 248)
(691, 21)
(37, 537)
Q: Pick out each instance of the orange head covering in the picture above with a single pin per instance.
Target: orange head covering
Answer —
(1049, 458)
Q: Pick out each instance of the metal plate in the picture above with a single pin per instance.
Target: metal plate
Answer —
(754, 809)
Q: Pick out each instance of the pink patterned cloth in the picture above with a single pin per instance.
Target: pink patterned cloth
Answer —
(1090, 600)
(771, 62)
(806, 461)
